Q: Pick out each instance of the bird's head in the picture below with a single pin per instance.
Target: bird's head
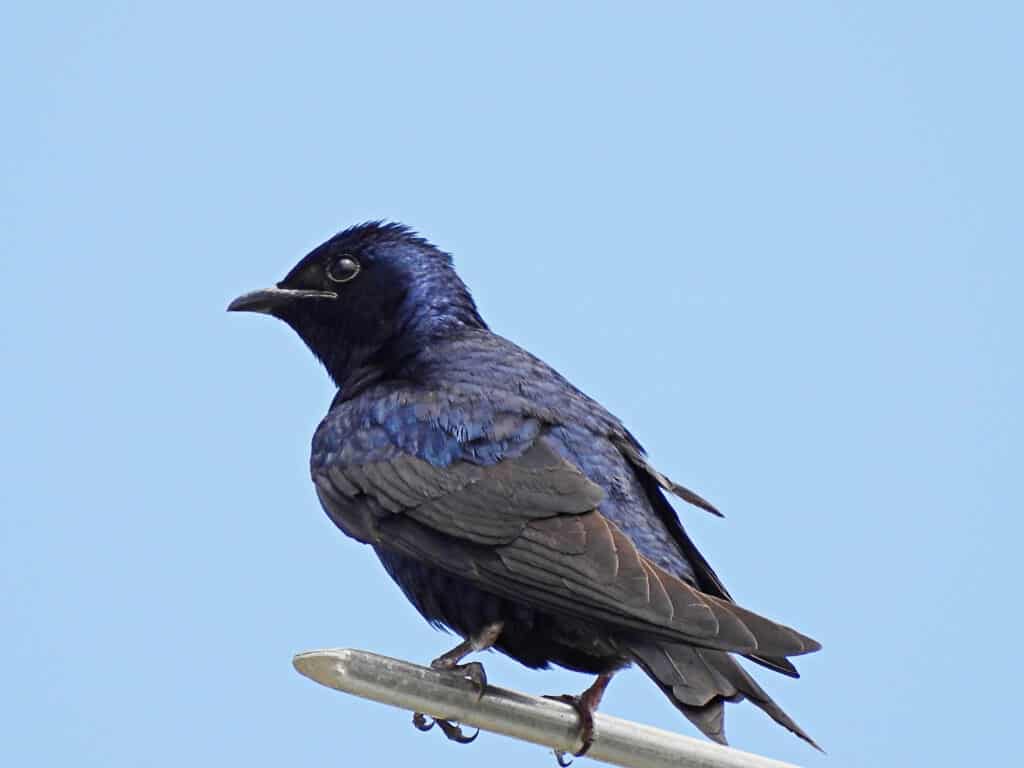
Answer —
(368, 299)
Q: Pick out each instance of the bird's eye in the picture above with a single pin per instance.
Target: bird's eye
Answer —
(343, 269)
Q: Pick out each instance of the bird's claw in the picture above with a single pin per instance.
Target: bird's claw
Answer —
(454, 732)
(451, 730)
(420, 722)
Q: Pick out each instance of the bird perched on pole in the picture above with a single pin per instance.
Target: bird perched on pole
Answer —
(508, 506)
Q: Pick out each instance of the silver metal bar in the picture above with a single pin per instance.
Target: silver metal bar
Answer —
(540, 721)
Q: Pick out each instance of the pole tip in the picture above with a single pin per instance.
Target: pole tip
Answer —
(325, 667)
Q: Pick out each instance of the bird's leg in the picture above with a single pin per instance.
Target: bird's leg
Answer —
(586, 705)
(473, 671)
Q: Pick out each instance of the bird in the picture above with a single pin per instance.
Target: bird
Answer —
(509, 507)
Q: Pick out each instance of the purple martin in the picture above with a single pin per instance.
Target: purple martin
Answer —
(507, 505)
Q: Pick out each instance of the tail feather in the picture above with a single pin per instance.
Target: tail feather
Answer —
(699, 681)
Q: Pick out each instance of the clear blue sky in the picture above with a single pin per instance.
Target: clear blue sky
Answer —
(783, 243)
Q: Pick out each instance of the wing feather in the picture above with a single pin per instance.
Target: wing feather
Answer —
(528, 527)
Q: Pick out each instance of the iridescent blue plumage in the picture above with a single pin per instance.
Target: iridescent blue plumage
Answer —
(501, 499)
(490, 405)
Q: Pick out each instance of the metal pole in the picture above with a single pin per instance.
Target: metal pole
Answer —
(540, 721)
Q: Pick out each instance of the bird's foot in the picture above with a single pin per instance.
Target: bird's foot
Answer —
(452, 731)
(473, 671)
(586, 705)
(586, 732)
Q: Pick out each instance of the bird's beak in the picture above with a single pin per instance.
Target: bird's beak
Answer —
(269, 299)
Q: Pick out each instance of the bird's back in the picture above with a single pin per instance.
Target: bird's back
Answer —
(444, 408)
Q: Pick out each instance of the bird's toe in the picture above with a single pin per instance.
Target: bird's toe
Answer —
(473, 671)
(452, 731)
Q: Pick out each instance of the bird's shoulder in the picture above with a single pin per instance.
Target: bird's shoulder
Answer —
(441, 425)
(472, 397)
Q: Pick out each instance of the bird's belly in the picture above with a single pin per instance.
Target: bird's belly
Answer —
(531, 637)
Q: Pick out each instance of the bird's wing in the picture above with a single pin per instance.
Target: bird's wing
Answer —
(654, 482)
(636, 456)
(527, 527)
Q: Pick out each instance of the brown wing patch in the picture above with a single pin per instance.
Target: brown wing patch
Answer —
(528, 528)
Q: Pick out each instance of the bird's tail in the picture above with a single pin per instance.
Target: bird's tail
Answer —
(698, 681)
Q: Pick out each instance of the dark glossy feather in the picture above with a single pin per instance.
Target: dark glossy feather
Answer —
(494, 490)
